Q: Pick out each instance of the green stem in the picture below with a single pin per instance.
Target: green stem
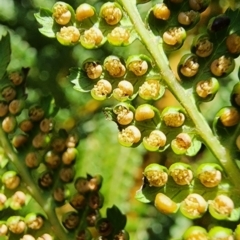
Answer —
(184, 97)
(35, 192)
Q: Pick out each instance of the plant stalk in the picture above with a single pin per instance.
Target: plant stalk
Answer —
(31, 187)
(184, 97)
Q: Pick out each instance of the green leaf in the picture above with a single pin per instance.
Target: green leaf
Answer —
(195, 147)
(49, 27)
(147, 194)
(142, 1)
(235, 215)
(5, 52)
(117, 219)
(80, 80)
(141, 197)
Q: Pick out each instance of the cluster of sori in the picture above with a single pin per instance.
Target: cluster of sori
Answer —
(16, 221)
(32, 133)
(171, 19)
(217, 232)
(123, 80)
(119, 79)
(89, 27)
(196, 196)
(174, 18)
(48, 156)
(210, 59)
(170, 127)
(208, 174)
(22, 128)
(203, 47)
(125, 77)
(154, 129)
(111, 75)
(84, 216)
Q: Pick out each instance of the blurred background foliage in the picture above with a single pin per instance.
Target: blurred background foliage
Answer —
(99, 151)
